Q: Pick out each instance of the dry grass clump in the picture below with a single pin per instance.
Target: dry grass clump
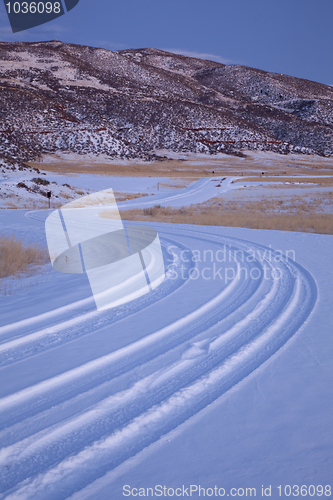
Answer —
(66, 196)
(152, 211)
(292, 181)
(128, 196)
(254, 218)
(17, 259)
(79, 192)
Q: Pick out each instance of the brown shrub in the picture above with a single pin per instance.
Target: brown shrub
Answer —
(40, 181)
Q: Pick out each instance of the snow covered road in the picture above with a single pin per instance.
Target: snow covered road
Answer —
(198, 192)
(84, 393)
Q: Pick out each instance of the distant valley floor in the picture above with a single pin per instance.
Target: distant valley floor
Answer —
(262, 191)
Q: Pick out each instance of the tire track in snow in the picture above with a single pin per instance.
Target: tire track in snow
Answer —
(173, 393)
(158, 385)
(25, 323)
(97, 371)
(28, 343)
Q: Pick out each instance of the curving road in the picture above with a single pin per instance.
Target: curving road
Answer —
(198, 192)
(90, 390)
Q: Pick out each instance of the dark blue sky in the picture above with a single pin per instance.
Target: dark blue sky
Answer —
(294, 37)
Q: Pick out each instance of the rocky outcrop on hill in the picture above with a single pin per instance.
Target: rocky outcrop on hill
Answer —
(136, 103)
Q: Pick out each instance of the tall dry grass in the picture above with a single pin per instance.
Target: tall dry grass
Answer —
(280, 180)
(17, 259)
(194, 166)
(232, 215)
(319, 203)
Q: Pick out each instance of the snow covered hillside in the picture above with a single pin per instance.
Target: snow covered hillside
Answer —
(61, 97)
(219, 379)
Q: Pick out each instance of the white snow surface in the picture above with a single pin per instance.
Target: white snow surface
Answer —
(212, 381)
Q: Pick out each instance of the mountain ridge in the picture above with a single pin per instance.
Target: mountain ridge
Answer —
(133, 103)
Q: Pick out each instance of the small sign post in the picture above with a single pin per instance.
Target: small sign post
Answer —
(48, 194)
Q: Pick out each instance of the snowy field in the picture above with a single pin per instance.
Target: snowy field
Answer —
(217, 383)
(18, 189)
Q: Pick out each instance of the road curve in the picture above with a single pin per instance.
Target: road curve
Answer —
(139, 372)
